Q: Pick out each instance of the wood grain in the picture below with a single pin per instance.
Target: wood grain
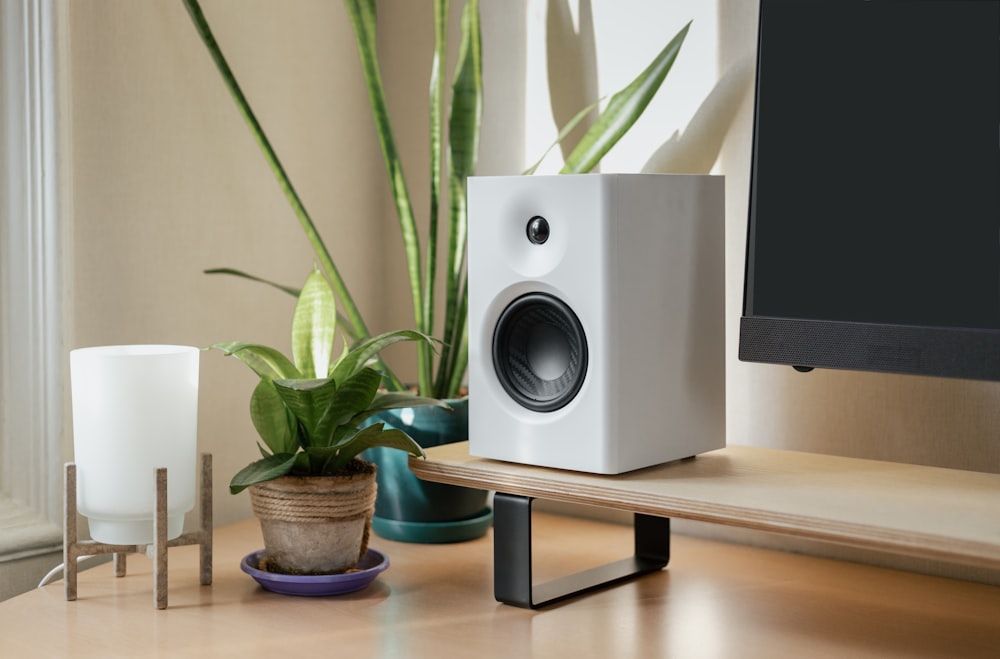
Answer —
(930, 512)
(714, 600)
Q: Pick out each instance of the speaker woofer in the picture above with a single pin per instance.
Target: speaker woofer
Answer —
(540, 352)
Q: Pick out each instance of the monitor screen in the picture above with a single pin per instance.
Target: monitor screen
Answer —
(874, 229)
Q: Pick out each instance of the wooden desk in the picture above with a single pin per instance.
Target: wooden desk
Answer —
(715, 600)
(930, 512)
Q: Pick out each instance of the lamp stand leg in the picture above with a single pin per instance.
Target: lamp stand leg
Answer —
(160, 542)
(73, 547)
(205, 535)
(69, 531)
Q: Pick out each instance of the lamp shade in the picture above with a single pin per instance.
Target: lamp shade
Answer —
(135, 409)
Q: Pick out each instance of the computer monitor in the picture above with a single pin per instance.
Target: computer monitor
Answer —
(874, 224)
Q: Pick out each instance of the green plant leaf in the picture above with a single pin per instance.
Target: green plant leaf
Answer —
(467, 97)
(464, 129)
(395, 400)
(454, 355)
(320, 457)
(363, 21)
(392, 400)
(269, 468)
(566, 130)
(436, 94)
(461, 355)
(359, 356)
(357, 324)
(314, 326)
(264, 361)
(696, 149)
(274, 422)
(308, 400)
(294, 292)
(623, 110)
(352, 397)
(343, 323)
(370, 437)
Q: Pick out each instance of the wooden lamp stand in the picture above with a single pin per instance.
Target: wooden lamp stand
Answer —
(73, 548)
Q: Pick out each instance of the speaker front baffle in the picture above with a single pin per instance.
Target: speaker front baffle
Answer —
(596, 319)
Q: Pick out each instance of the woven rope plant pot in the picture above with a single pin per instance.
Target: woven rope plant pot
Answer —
(315, 524)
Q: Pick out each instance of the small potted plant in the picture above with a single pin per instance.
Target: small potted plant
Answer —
(313, 494)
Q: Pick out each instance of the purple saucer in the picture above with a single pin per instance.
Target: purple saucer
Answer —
(369, 567)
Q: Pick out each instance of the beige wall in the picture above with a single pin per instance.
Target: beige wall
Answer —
(168, 182)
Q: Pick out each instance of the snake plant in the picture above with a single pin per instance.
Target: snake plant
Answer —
(440, 377)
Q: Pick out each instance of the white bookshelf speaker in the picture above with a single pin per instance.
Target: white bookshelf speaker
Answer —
(596, 319)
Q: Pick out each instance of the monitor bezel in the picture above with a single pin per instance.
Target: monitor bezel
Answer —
(804, 343)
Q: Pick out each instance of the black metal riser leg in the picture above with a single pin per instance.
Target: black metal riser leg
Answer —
(512, 557)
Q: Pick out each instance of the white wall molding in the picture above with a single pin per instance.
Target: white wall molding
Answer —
(32, 371)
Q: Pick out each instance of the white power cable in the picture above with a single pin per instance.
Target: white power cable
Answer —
(57, 569)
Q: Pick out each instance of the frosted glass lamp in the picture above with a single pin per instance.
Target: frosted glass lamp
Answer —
(135, 409)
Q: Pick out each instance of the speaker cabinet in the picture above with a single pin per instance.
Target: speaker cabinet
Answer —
(596, 319)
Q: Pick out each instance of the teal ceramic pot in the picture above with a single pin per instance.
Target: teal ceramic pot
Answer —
(412, 510)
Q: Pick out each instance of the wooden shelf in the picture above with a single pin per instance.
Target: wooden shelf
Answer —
(929, 512)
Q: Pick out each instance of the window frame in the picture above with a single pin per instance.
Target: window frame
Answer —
(33, 228)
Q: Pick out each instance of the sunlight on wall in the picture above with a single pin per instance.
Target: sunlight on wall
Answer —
(628, 34)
